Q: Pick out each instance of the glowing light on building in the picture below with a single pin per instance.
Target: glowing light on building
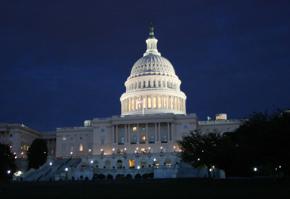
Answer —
(18, 173)
(81, 147)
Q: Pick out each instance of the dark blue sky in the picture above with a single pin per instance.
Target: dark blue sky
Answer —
(66, 61)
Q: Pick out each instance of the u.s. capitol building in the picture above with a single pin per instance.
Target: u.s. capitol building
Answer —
(143, 139)
(153, 118)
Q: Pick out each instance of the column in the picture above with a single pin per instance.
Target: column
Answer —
(126, 133)
(172, 132)
(129, 133)
(147, 133)
(114, 135)
(168, 131)
(138, 133)
(158, 132)
(117, 134)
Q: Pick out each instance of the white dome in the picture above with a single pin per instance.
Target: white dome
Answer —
(152, 87)
(152, 64)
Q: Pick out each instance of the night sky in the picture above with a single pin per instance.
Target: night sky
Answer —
(66, 61)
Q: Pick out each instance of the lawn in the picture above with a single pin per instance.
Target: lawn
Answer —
(171, 188)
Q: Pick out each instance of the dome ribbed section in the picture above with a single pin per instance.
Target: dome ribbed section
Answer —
(152, 64)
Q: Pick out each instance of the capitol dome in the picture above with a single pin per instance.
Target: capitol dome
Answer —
(152, 87)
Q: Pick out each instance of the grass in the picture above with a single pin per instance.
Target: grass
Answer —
(170, 188)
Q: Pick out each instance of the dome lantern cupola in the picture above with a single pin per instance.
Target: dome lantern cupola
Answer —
(151, 43)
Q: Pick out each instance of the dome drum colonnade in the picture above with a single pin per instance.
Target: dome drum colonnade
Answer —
(152, 87)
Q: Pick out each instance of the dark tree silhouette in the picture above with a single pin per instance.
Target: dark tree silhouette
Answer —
(7, 162)
(262, 142)
(37, 153)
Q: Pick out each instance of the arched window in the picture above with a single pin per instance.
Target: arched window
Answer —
(159, 102)
(154, 102)
(149, 101)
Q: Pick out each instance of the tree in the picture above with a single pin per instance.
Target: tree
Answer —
(210, 150)
(37, 154)
(261, 142)
(7, 162)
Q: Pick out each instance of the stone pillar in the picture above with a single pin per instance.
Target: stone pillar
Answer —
(129, 133)
(126, 133)
(138, 133)
(168, 131)
(172, 132)
(159, 140)
(113, 133)
(117, 134)
(155, 133)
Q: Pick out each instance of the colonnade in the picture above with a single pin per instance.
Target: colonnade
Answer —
(153, 102)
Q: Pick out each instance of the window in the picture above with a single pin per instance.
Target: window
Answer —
(121, 134)
(142, 137)
(151, 133)
(154, 102)
(149, 102)
(131, 164)
(163, 132)
(133, 134)
(81, 148)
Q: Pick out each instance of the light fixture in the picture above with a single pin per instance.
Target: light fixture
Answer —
(255, 169)
(113, 149)
(92, 161)
(8, 172)
(66, 169)
(18, 173)
(50, 163)
(71, 152)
